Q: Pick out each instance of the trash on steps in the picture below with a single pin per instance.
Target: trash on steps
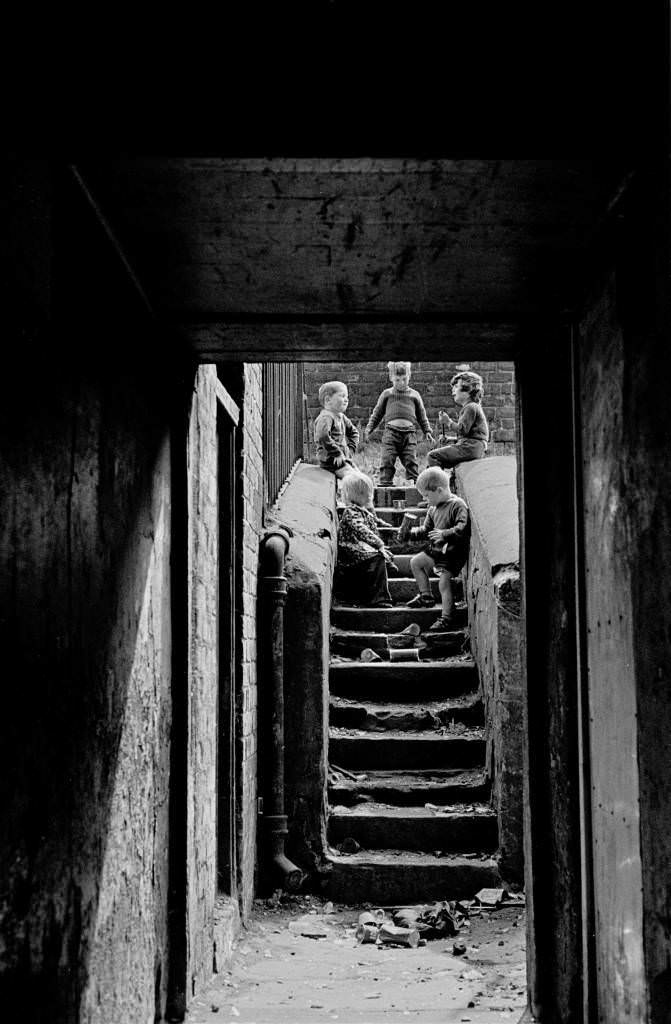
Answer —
(354, 776)
(404, 655)
(432, 921)
(492, 899)
(396, 935)
(368, 654)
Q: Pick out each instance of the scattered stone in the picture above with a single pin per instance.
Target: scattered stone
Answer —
(459, 948)
(349, 845)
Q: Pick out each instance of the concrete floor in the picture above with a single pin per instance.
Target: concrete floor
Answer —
(278, 974)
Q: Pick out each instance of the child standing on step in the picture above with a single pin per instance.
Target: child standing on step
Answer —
(361, 571)
(336, 437)
(402, 411)
(447, 527)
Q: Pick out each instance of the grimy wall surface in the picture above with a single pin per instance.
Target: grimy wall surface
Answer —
(86, 605)
(626, 478)
(365, 381)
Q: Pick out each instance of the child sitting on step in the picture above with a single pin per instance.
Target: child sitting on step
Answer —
(447, 527)
(471, 427)
(361, 570)
(336, 437)
(402, 411)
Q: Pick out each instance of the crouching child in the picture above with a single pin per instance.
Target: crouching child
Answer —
(361, 570)
(447, 529)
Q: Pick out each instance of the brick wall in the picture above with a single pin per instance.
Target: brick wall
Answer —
(203, 676)
(365, 381)
(251, 527)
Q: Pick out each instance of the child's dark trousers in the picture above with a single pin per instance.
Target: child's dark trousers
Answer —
(401, 443)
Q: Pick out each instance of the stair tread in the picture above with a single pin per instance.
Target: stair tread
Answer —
(352, 634)
(361, 609)
(415, 776)
(388, 855)
(468, 734)
(453, 660)
(445, 704)
(393, 811)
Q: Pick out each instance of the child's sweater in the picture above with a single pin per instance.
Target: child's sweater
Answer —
(335, 434)
(399, 405)
(472, 423)
(452, 518)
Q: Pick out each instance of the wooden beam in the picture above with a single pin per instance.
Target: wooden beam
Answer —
(308, 342)
(227, 403)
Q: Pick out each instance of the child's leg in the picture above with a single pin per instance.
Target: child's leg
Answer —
(375, 590)
(445, 457)
(422, 567)
(446, 596)
(409, 455)
(345, 470)
(387, 459)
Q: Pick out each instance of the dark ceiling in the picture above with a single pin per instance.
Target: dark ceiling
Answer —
(225, 249)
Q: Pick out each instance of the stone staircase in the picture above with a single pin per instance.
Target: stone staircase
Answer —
(409, 816)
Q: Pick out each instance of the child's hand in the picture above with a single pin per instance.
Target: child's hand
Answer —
(444, 417)
(338, 461)
(435, 536)
(429, 437)
(366, 434)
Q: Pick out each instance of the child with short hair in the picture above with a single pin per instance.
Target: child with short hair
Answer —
(335, 435)
(402, 411)
(361, 570)
(447, 527)
(471, 427)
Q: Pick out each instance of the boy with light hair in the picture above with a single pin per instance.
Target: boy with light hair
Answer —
(447, 530)
(401, 410)
(336, 437)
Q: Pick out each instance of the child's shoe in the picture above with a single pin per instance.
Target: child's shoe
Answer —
(421, 601)
(441, 625)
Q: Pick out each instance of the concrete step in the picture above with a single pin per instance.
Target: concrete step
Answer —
(451, 830)
(384, 497)
(406, 681)
(404, 588)
(359, 750)
(408, 788)
(349, 644)
(394, 516)
(391, 620)
(379, 717)
(395, 877)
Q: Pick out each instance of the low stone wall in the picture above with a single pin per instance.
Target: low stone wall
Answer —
(493, 594)
(308, 508)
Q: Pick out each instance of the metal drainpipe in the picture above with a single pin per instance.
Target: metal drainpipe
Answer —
(275, 546)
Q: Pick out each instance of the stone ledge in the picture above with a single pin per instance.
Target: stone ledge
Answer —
(489, 488)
